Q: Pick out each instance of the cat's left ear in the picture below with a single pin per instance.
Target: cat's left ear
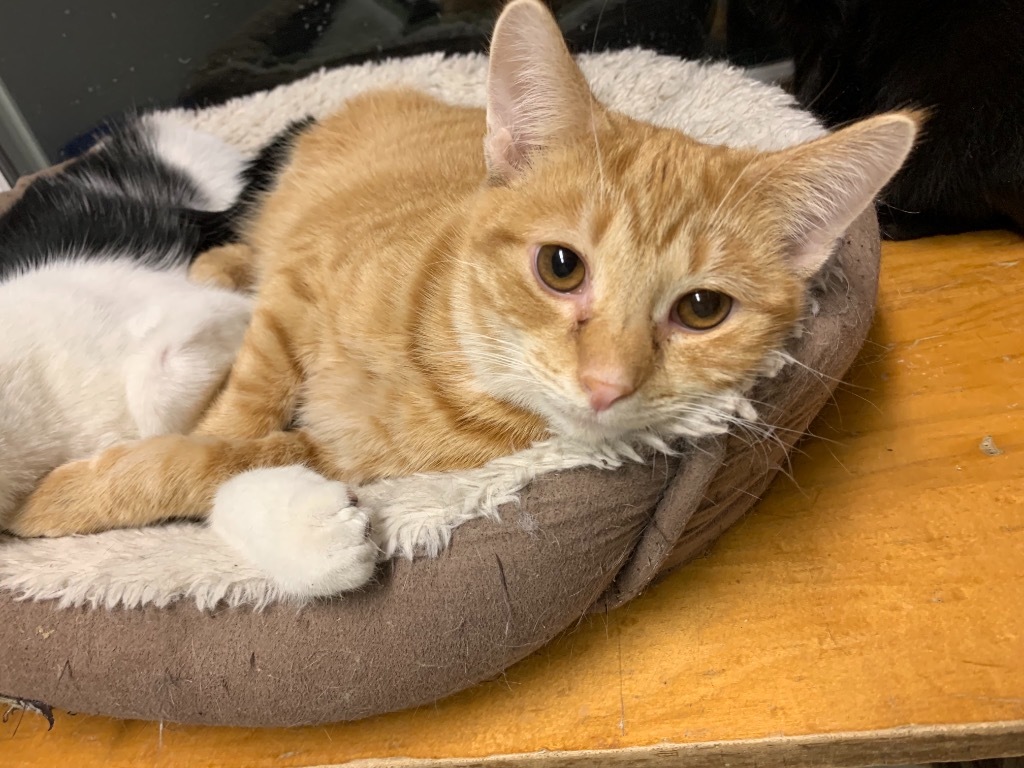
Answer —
(824, 185)
(536, 93)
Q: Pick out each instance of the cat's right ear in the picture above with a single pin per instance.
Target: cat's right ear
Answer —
(535, 91)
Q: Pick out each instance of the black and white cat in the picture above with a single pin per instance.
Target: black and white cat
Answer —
(103, 338)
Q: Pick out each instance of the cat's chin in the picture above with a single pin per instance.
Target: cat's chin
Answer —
(590, 428)
(706, 417)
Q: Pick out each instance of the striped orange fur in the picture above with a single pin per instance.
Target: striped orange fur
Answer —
(400, 323)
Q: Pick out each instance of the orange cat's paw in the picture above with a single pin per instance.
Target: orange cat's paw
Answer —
(303, 531)
(227, 266)
(60, 506)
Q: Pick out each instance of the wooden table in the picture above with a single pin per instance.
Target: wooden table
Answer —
(870, 610)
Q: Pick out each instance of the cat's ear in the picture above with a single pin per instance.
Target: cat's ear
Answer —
(824, 185)
(535, 91)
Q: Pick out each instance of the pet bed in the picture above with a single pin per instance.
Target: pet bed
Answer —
(125, 624)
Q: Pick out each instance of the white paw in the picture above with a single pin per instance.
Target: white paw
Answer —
(302, 530)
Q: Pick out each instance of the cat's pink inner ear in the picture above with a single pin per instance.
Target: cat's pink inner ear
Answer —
(536, 94)
(826, 184)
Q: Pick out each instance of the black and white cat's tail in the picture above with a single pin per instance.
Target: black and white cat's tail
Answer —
(153, 191)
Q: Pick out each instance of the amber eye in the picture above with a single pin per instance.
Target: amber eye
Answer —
(561, 269)
(702, 310)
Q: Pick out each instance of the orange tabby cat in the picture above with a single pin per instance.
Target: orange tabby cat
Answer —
(440, 286)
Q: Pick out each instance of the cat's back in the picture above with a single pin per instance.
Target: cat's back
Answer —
(397, 132)
(379, 172)
(356, 243)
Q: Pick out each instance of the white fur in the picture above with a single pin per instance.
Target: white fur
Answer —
(216, 167)
(302, 531)
(416, 515)
(94, 353)
(714, 103)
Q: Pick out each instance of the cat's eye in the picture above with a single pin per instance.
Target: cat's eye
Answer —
(702, 310)
(561, 268)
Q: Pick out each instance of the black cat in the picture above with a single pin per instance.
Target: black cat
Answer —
(962, 60)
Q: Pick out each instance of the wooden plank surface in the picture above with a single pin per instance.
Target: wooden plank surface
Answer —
(880, 588)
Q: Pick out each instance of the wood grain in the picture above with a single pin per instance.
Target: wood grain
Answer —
(881, 588)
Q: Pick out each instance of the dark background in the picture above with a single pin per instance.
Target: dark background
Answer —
(68, 65)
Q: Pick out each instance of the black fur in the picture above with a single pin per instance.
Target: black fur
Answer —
(120, 199)
(263, 170)
(962, 60)
(258, 178)
(123, 199)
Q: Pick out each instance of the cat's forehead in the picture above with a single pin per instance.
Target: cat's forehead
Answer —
(656, 211)
(663, 192)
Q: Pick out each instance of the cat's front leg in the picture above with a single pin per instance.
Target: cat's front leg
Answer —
(148, 481)
(303, 531)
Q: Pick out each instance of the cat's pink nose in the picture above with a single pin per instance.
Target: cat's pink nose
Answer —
(603, 393)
